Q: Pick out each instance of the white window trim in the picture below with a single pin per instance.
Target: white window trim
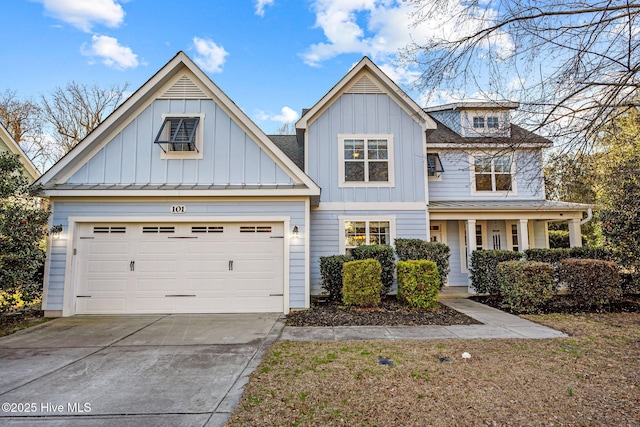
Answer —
(472, 173)
(471, 131)
(198, 154)
(341, 160)
(462, 232)
(391, 219)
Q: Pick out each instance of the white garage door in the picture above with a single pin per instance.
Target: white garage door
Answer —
(179, 268)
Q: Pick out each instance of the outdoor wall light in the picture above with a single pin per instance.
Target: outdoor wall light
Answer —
(295, 233)
(56, 231)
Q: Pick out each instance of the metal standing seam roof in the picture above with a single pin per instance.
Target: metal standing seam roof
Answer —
(506, 205)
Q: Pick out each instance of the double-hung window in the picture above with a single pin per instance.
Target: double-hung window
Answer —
(366, 160)
(493, 173)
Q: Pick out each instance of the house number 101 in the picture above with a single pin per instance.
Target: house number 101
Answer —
(178, 209)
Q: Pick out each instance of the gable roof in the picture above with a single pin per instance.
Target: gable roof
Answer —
(443, 137)
(13, 147)
(156, 87)
(366, 77)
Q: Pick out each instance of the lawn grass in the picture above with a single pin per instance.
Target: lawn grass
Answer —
(590, 378)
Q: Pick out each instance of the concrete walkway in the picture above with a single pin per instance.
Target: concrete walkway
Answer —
(496, 324)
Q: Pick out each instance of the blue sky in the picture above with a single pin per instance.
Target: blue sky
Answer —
(271, 57)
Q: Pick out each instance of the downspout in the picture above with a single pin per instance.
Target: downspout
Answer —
(588, 218)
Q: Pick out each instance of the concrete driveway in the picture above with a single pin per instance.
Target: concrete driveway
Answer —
(164, 370)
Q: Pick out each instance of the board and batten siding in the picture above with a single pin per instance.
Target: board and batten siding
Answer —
(325, 233)
(230, 156)
(295, 210)
(455, 183)
(366, 114)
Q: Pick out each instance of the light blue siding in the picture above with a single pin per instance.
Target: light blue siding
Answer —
(326, 234)
(450, 119)
(456, 178)
(230, 156)
(293, 209)
(366, 114)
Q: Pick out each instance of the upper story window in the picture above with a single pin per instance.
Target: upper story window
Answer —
(180, 136)
(366, 160)
(482, 123)
(493, 173)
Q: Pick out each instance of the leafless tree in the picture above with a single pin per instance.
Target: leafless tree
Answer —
(75, 110)
(287, 128)
(572, 64)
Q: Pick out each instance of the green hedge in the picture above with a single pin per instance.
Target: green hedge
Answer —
(484, 269)
(559, 239)
(554, 256)
(416, 249)
(331, 274)
(525, 286)
(361, 284)
(591, 281)
(384, 255)
(418, 283)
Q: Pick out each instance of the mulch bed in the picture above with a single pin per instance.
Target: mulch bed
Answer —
(12, 322)
(389, 313)
(564, 304)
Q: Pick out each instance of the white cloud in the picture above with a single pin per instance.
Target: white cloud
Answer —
(287, 115)
(261, 4)
(210, 57)
(112, 53)
(379, 28)
(84, 14)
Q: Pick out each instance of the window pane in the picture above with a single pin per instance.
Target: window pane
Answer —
(483, 182)
(355, 233)
(377, 149)
(492, 122)
(503, 182)
(502, 164)
(483, 164)
(379, 233)
(378, 171)
(354, 171)
(478, 236)
(354, 149)
(478, 122)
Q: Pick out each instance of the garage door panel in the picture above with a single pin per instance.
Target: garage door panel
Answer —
(222, 270)
(103, 286)
(102, 305)
(109, 248)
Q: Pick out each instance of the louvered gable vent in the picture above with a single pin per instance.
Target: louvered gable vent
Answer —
(365, 85)
(184, 88)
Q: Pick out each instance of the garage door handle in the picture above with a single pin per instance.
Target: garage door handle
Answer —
(230, 265)
(132, 266)
(276, 295)
(83, 296)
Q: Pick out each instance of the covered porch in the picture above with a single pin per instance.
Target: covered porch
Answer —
(466, 226)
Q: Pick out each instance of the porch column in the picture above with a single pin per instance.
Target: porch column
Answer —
(523, 234)
(575, 234)
(471, 246)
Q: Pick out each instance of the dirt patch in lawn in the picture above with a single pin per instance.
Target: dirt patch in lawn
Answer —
(13, 322)
(389, 313)
(591, 378)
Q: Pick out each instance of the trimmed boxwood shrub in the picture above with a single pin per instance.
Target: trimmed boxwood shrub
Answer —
(416, 249)
(525, 286)
(591, 281)
(554, 256)
(361, 284)
(484, 269)
(418, 283)
(630, 282)
(331, 274)
(384, 255)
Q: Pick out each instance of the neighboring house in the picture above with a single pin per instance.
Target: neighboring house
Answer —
(7, 143)
(179, 203)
